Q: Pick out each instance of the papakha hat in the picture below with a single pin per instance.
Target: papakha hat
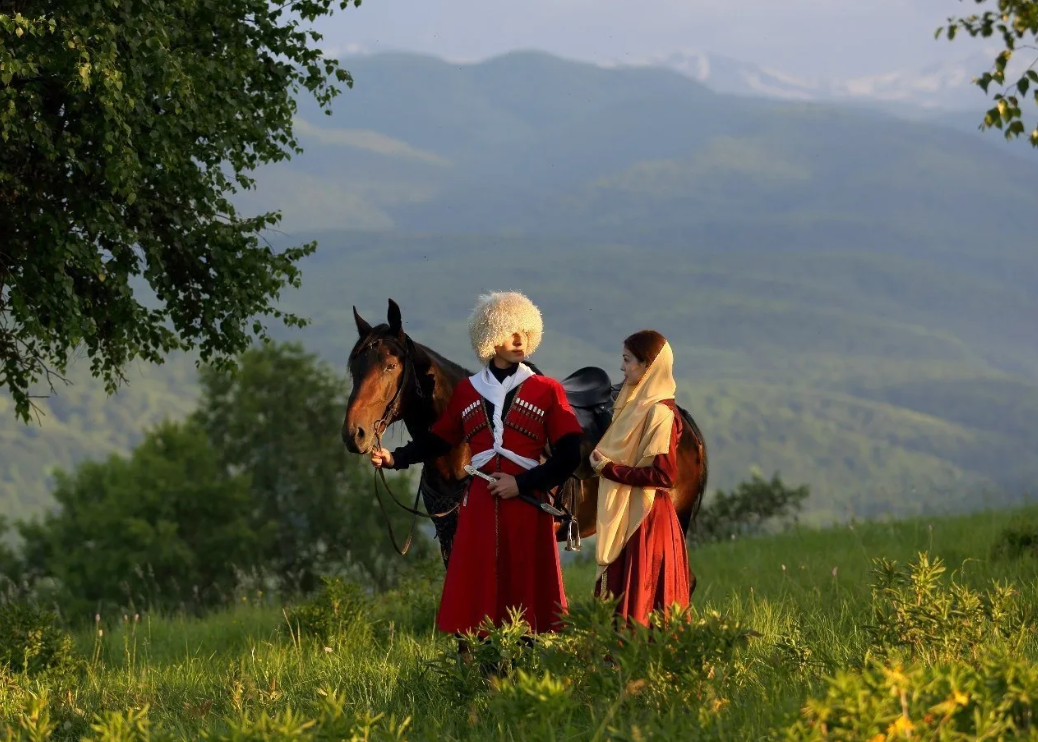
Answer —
(497, 316)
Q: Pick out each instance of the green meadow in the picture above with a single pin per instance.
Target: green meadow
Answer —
(803, 634)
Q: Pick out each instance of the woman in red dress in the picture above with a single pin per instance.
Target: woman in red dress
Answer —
(505, 555)
(640, 550)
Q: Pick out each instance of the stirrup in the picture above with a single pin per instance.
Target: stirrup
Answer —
(572, 535)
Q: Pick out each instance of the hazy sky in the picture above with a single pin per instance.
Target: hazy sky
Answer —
(817, 38)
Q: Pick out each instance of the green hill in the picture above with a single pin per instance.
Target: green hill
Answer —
(850, 296)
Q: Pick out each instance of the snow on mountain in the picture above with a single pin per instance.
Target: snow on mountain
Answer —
(946, 86)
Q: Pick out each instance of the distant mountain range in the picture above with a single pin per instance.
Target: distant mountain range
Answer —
(908, 92)
(851, 295)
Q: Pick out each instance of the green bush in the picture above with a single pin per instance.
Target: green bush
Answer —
(164, 529)
(992, 698)
(412, 604)
(750, 509)
(1016, 541)
(685, 660)
(337, 608)
(330, 721)
(915, 610)
(31, 642)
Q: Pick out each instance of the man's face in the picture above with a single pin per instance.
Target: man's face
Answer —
(514, 351)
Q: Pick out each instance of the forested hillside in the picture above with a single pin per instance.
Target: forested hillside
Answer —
(850, 296)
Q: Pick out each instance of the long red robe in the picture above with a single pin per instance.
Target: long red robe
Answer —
(504, 554)
(651, 572)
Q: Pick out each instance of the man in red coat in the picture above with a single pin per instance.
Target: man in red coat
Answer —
(504, 555)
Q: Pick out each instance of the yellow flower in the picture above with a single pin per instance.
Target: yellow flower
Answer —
(878, 738)
(960, 698)
(903, 725)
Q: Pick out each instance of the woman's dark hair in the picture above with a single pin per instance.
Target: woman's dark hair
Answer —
(645, 345)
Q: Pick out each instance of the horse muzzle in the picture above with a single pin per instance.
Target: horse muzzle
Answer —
(358, 438)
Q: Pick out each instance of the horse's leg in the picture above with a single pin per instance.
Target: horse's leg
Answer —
(587, 509)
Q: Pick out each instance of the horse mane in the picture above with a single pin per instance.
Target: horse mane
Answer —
(449, 367)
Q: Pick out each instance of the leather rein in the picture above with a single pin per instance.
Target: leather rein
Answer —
(391, 411)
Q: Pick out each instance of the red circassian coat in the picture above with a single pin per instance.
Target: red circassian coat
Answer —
(651, 572)
(504, 554)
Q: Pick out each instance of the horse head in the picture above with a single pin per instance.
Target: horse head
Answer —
(381, 367)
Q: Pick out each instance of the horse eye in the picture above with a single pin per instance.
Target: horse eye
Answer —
(390, 366)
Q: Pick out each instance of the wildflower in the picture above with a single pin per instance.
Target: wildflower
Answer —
(834, 571)
(97, 618)
(783, 567)
(100, 632)
(327, 650)
(902, 725)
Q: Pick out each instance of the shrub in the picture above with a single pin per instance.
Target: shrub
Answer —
(31, 642)
(685, 662)
(990, 699)
(1016, 541)
(914, 610)
(339, 606)
(750, 509)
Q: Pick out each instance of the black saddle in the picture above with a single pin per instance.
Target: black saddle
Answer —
(591, 394)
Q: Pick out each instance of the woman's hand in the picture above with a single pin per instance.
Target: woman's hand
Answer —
(381, 457)
(598, 460)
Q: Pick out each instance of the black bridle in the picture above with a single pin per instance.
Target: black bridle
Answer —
(389, 416)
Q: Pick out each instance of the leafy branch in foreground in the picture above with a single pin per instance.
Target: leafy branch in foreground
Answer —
(1016, 21)
(124, 129)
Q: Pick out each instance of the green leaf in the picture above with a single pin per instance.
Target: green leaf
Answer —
(152, 143)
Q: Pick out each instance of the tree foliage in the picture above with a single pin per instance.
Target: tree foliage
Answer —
(277, 418)
(1016, 22)
(254, 484)
(164, 528)
(125, 126)
(749, 510)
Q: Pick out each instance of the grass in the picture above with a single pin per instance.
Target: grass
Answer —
(237, 673)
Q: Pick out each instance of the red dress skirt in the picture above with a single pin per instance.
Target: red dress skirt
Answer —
(651, 572)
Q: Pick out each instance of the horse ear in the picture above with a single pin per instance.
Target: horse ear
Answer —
(362, 327)
(396, 323)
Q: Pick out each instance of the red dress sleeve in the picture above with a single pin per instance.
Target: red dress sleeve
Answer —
(450, 427)
(661, 473)
(560, 419)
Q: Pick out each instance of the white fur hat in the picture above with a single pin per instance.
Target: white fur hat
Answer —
(497, 316)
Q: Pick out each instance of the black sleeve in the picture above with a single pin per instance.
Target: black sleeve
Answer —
(555, 470)
(423, 447)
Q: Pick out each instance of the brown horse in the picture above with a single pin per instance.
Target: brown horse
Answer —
(395, 378)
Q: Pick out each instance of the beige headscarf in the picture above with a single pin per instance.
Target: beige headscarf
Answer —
(641, 429)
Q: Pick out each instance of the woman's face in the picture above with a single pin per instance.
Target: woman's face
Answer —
(632, 368)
